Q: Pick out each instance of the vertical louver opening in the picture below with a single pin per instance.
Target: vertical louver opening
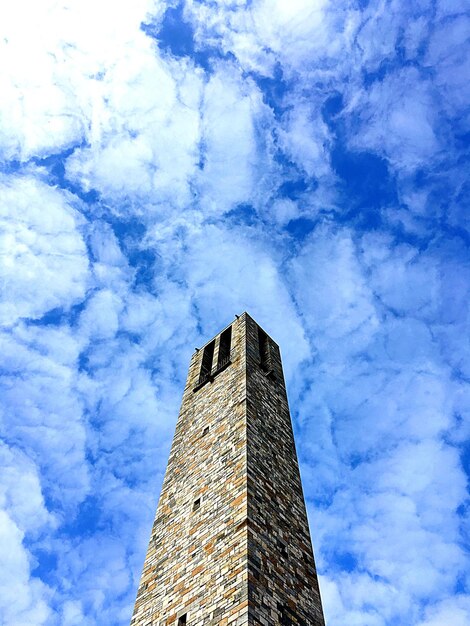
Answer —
(264, 351)
(224, 348)
(206, 363)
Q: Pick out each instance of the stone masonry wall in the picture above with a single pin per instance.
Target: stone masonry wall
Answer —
(230, 543)
(283, 586)
(196, 562)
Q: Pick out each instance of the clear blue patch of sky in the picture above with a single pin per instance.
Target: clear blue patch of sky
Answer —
(300, 227)
(346, 561)
(175, 35)
(441, 192)
(144, 262)
(465, 458)
(242, 214)
(45, 564)
(387, 66)
(331, 107)
(461, 585)
(365, 180)
(55, 165)
(59, 315)
(54, 317)
(202, 149)
(246, 215)
(461, 136)
(86, 520)
(295, 187)
(366, 184)
(461, 510)
(128, 229)
(355, 460)
(128, 336)
(273, 89)
(83, 361)
(130, 234)
(10, 167)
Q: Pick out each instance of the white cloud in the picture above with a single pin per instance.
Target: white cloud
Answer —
(230, 165)
(416, 31)
(92, 572)
(455, 611)
(148, 120)
(446, 54)
(260, 33)
(23, 599)
(42, 407)
(20, 491)
(44, 262)
(447, 8)
(403, 280)
(332, 292)
(397, 118)
(305, 140)
(100, 319)
(72, 614)
(295, 29)
(49, 81)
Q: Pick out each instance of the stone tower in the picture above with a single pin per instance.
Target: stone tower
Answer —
(230, 544)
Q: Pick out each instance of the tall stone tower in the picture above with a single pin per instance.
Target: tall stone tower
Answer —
(230, 544)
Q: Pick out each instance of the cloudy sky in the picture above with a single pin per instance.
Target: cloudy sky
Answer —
(166, 166)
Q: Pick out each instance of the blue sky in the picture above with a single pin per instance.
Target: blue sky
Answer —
(165, 166)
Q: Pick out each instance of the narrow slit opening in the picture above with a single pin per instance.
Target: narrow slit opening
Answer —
(206, 363)
(264, 351)
(224, 348)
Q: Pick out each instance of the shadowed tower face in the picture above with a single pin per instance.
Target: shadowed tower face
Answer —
(230, 544)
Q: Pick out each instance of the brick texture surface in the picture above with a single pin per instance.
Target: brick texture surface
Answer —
(230, 543)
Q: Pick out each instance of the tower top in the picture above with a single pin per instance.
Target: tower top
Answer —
(241, 316)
